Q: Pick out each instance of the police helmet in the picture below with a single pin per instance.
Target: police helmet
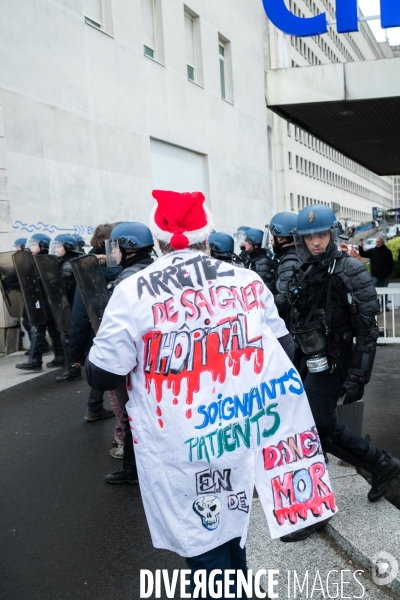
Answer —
(221, 242)
(316, 234)
(282, 224)
(20, 244)
(66, 240)
(254, 236)
(132, 235)
(127, 236)
(314, 219)
(240, 234)
(81, 242)
(41, 239)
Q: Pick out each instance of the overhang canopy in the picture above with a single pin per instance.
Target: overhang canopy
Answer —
(353, 107)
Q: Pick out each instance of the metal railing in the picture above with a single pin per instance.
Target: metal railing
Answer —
(389, 318)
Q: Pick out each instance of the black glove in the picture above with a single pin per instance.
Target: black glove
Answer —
(353, 389)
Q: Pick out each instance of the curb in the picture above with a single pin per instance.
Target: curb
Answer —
(365, 530)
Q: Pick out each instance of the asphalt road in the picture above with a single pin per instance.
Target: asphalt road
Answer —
(65, 533)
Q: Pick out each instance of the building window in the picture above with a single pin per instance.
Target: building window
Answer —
(225, 69)
(291, 202)
(193, 47)
(290, 160)
(289, 130)
(222, 68)
(190, 49)
(152, 30)
(98, 13)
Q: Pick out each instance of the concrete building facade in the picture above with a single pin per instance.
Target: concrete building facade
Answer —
(309, 171)
(105, 100)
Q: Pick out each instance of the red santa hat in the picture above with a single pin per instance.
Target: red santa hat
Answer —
(180, 219)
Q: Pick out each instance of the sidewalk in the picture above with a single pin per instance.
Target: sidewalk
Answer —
(350, 542)
(10, 376)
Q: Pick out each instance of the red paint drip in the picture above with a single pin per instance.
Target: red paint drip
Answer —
(161, 424)
(189, 413)
(130, 419)
(218, 365)
(175, 401)
(159, 411)
(301, 509)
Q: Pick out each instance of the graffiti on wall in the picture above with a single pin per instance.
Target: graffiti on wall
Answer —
(53, 229)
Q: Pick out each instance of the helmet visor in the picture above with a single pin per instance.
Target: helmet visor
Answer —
(33, 246)
(19, 247)
(113, 253)
(57, 248)
(316, 246)
(266, 238)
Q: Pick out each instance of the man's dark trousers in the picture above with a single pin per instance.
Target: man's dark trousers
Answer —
(323, 391)
(227, 556)
(382, 282)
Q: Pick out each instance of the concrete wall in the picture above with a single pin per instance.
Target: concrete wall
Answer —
(81, 106)
(285, 53)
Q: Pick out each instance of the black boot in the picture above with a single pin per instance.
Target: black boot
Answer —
(385, 470)
(99, 415)
(30, 365)
(73, 374)
(303, 534)
(123, 476)
(382, 465)
(58, 361)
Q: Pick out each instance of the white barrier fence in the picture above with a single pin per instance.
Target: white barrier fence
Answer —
(393, 294)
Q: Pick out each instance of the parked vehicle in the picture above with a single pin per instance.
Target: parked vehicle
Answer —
(392, 232)
(369, 244)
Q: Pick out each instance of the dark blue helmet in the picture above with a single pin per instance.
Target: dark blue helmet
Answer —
(314, 219)
(20, 243)
(80, 240)
(316, 234)
(283, 224)
(254, 236)
(42, 239)
(221, 242)
(68, 241)
(132, 235)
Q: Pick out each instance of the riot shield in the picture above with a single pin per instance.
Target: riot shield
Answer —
(9, 285)
(92, 286)
(30, 287)
(50, 275)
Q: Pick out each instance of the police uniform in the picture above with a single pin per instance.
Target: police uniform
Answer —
(282, 225)
(335, 293)
(222, 248)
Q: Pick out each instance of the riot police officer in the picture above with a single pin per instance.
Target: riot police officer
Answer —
(334, 301)
(81, 242)
(257, 259)
(65, 248)
(281, 227)
(20, 244)
(240, 236)
(222, 248)
(39, 243)
(130, 246)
